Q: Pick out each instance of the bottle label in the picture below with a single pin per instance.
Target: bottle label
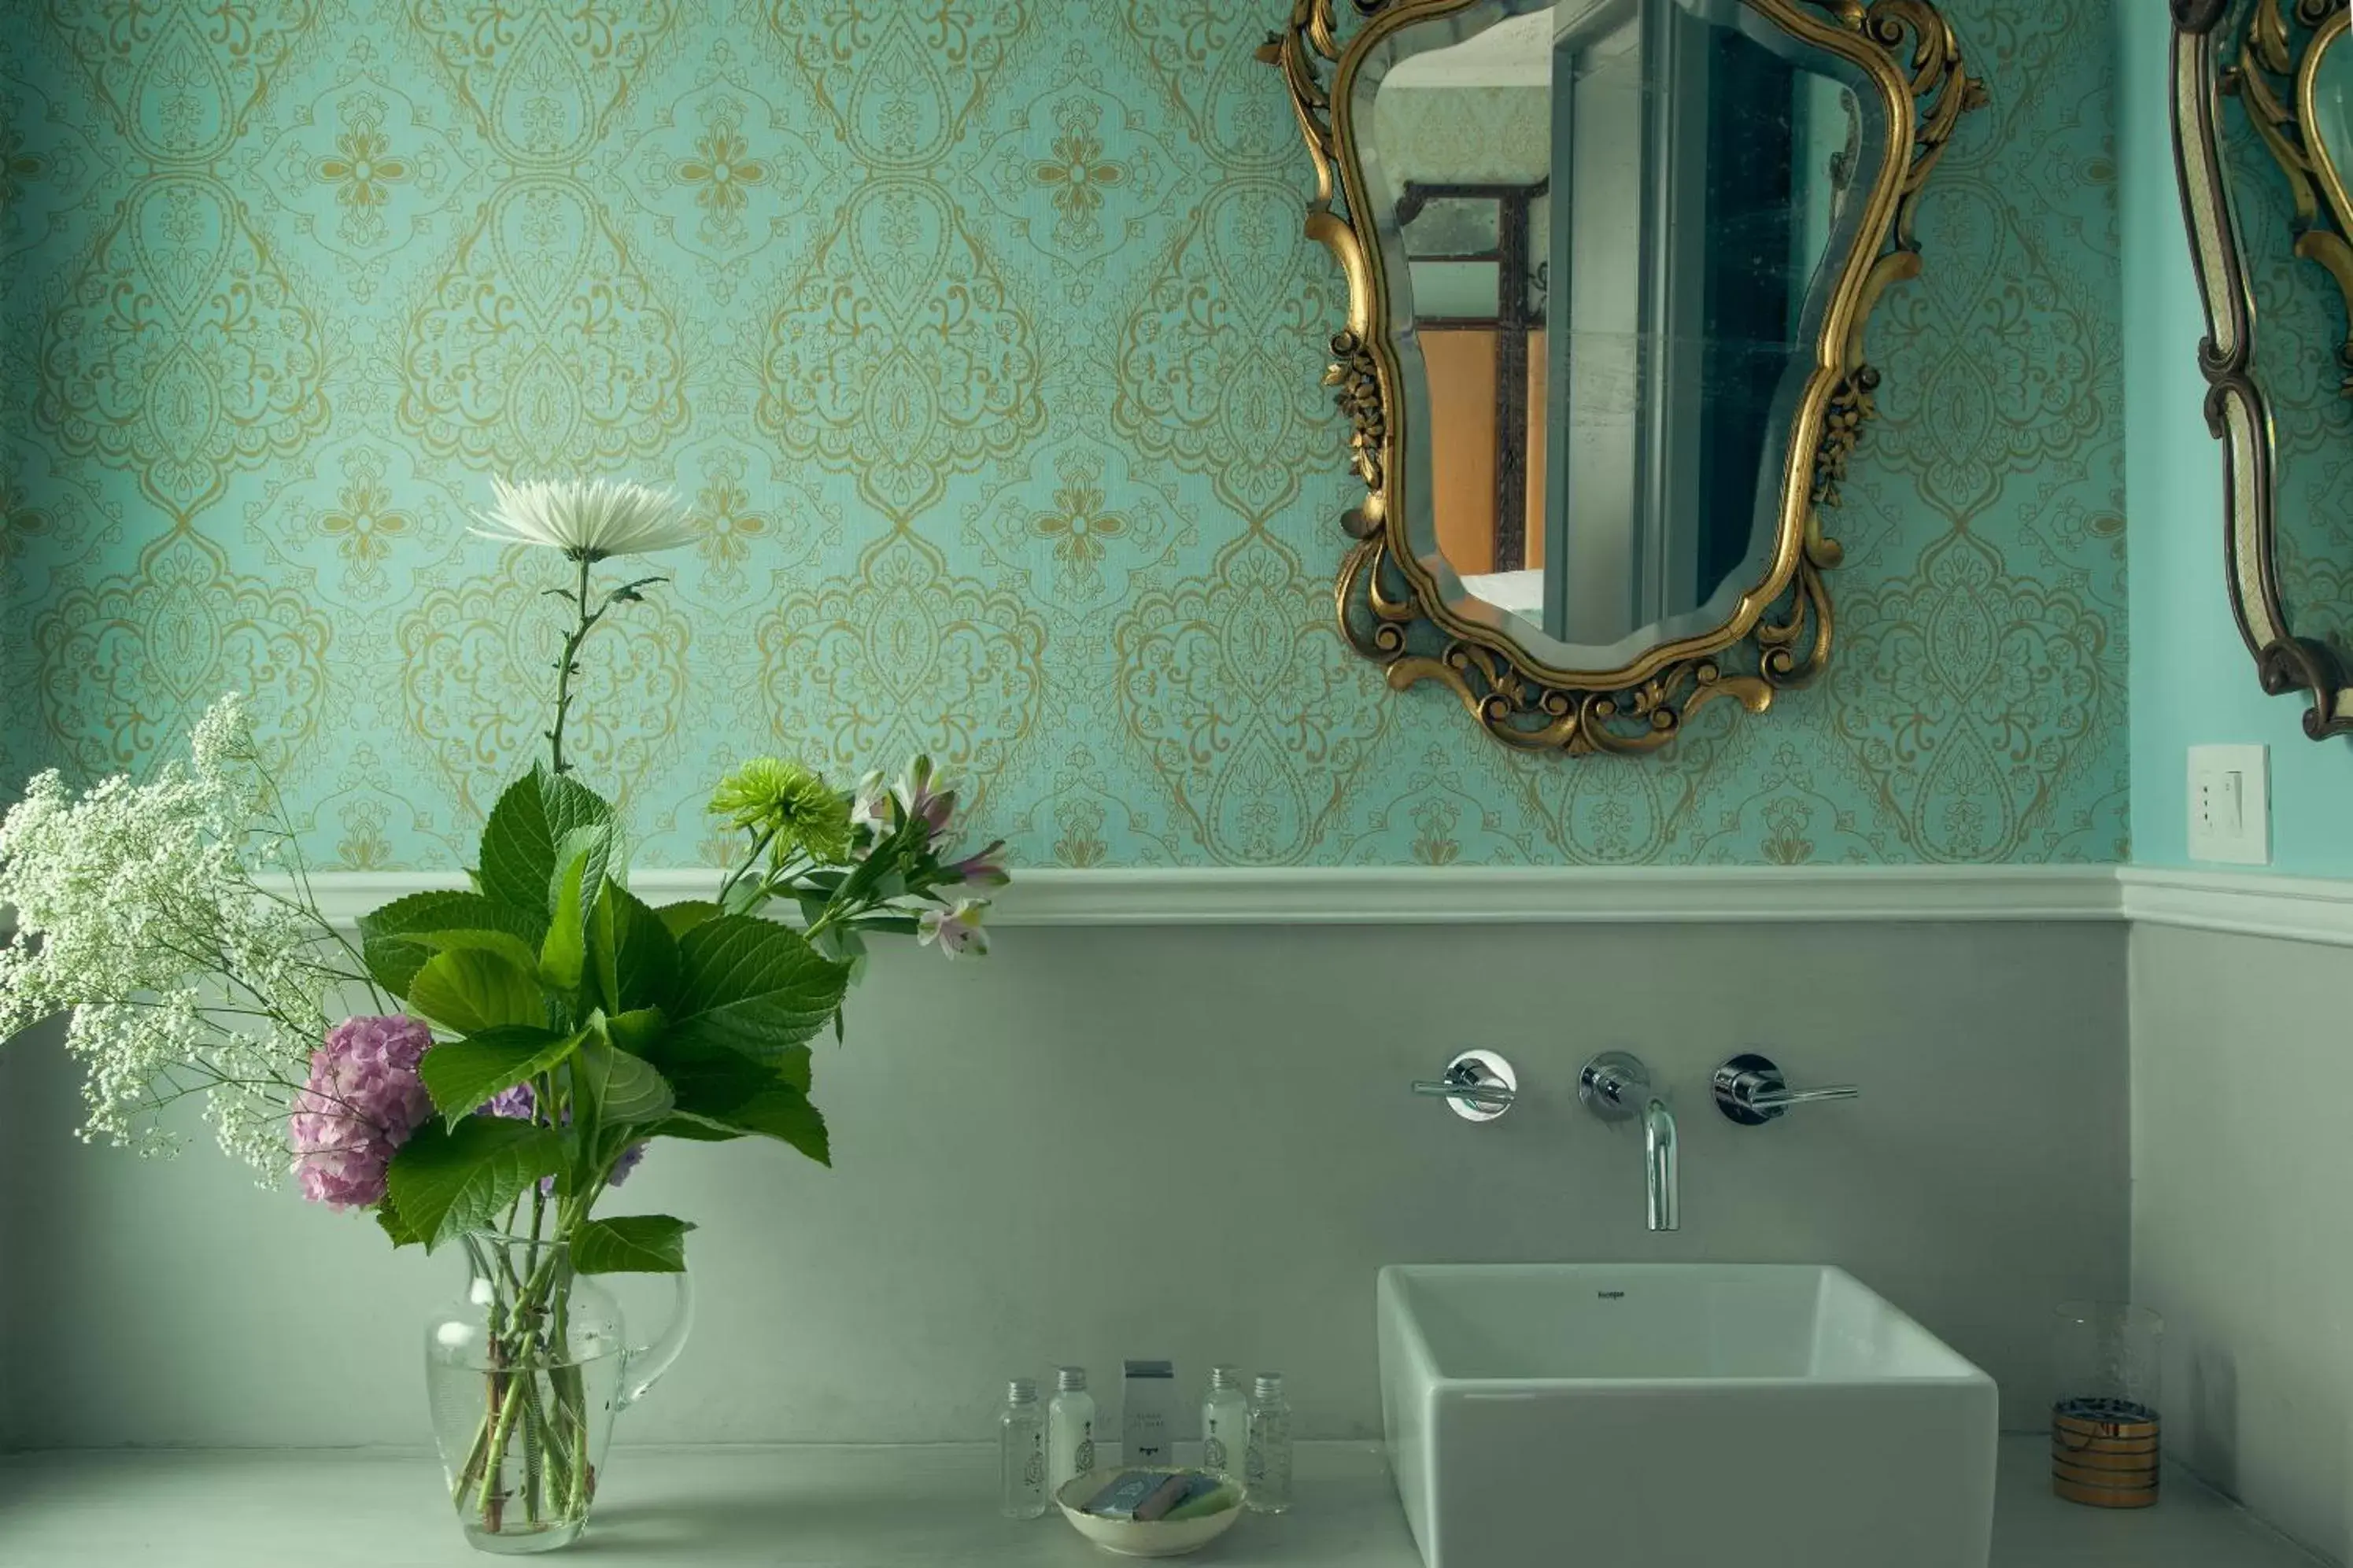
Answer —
(1254, 1465)
(1085, 1459)
(1213, 1453)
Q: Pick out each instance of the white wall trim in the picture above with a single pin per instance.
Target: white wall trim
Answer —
(1453, 895)
(2294, 908)
(1590, 895)
(2297, 909)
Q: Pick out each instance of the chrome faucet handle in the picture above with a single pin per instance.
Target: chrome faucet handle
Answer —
(1613, 1086)
(1751, 1092)
(1479, 1086)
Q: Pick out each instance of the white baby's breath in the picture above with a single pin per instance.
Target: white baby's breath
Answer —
(137, 910)
(587, 520)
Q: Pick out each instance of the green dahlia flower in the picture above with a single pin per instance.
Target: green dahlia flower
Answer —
(794, 803)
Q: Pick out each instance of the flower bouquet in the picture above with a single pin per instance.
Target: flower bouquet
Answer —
(527, 1037)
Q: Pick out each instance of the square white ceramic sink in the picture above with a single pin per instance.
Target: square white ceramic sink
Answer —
(1679, 1415)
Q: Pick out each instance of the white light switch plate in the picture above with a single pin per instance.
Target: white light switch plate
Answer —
(2230, 805)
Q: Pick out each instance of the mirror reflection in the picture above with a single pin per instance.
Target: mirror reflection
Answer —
(1609, 228)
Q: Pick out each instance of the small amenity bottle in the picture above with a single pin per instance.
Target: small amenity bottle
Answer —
(1024, 1438)
(1266, 1471)
(1225, 1423)
(1070, 1430)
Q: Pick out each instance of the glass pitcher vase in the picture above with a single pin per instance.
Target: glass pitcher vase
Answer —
(524, 1377)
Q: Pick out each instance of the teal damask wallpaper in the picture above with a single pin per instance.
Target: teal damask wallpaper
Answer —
(985, 333)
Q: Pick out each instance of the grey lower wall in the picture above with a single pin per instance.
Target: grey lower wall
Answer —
(2243, 1163)
(1192, 1142)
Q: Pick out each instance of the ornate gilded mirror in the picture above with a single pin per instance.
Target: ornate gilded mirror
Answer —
(1609, 263)
(2261, 94)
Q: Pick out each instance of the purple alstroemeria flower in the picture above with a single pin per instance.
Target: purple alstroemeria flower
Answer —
(957, 929)
(922, 793)
(985, 869)
(870, 805)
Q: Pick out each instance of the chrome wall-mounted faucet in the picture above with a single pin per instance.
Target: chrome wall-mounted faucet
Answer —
(1479, 1086)
(1751, 1092)
(1616, 1087)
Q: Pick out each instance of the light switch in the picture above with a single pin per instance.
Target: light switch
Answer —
(2230, 805)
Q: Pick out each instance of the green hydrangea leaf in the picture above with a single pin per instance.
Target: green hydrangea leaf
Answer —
(388, 1220)
(614, 1089)
(712, 1080)
(696, 1128)
(522, 840)
(632, 1244)
(634, 957)
(752, 986)
(447, 1181)
(638, 1031)
(463, 1075)
(724, 1094)
(686, 914)
(390, 936)
(785, 1114)
(506, 944)
(467, 990)
(578, 887)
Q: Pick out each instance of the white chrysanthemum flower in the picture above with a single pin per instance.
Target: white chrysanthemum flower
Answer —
(587, 520)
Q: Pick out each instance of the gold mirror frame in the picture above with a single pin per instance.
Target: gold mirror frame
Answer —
(1389, 607)
(2278, 88)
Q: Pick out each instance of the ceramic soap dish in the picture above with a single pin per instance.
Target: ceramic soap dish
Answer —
(1191, 1525)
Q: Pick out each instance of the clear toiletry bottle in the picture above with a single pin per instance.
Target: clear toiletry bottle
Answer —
(1070, 1429)
(1266, 1471)
(1225, 1423)
(1024, 1425)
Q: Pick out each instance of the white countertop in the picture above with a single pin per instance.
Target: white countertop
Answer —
(861, 1507)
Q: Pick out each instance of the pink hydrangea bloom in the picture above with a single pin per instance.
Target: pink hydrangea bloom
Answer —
(362, 1100)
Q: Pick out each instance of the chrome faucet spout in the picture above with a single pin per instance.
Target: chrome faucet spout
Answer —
(1617, 1088)
(1660, 1167)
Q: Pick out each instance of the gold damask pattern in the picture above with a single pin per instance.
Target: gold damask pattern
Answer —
(182, 352)
(545, 348)
(897, 658)
(905, 83)
(467, 648)
(983, 334)
(365, 523)
(1251, 715)
(388, 172)
(1986, 688)
(899, 357)
(542, 82)
(128, 661)
(1203, 382)
(179, 83)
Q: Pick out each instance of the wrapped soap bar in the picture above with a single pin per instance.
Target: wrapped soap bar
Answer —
(1172, 1490)
(1128, 1492)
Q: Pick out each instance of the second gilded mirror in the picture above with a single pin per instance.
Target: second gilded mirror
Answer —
(1610, 262)
(2261, 94)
